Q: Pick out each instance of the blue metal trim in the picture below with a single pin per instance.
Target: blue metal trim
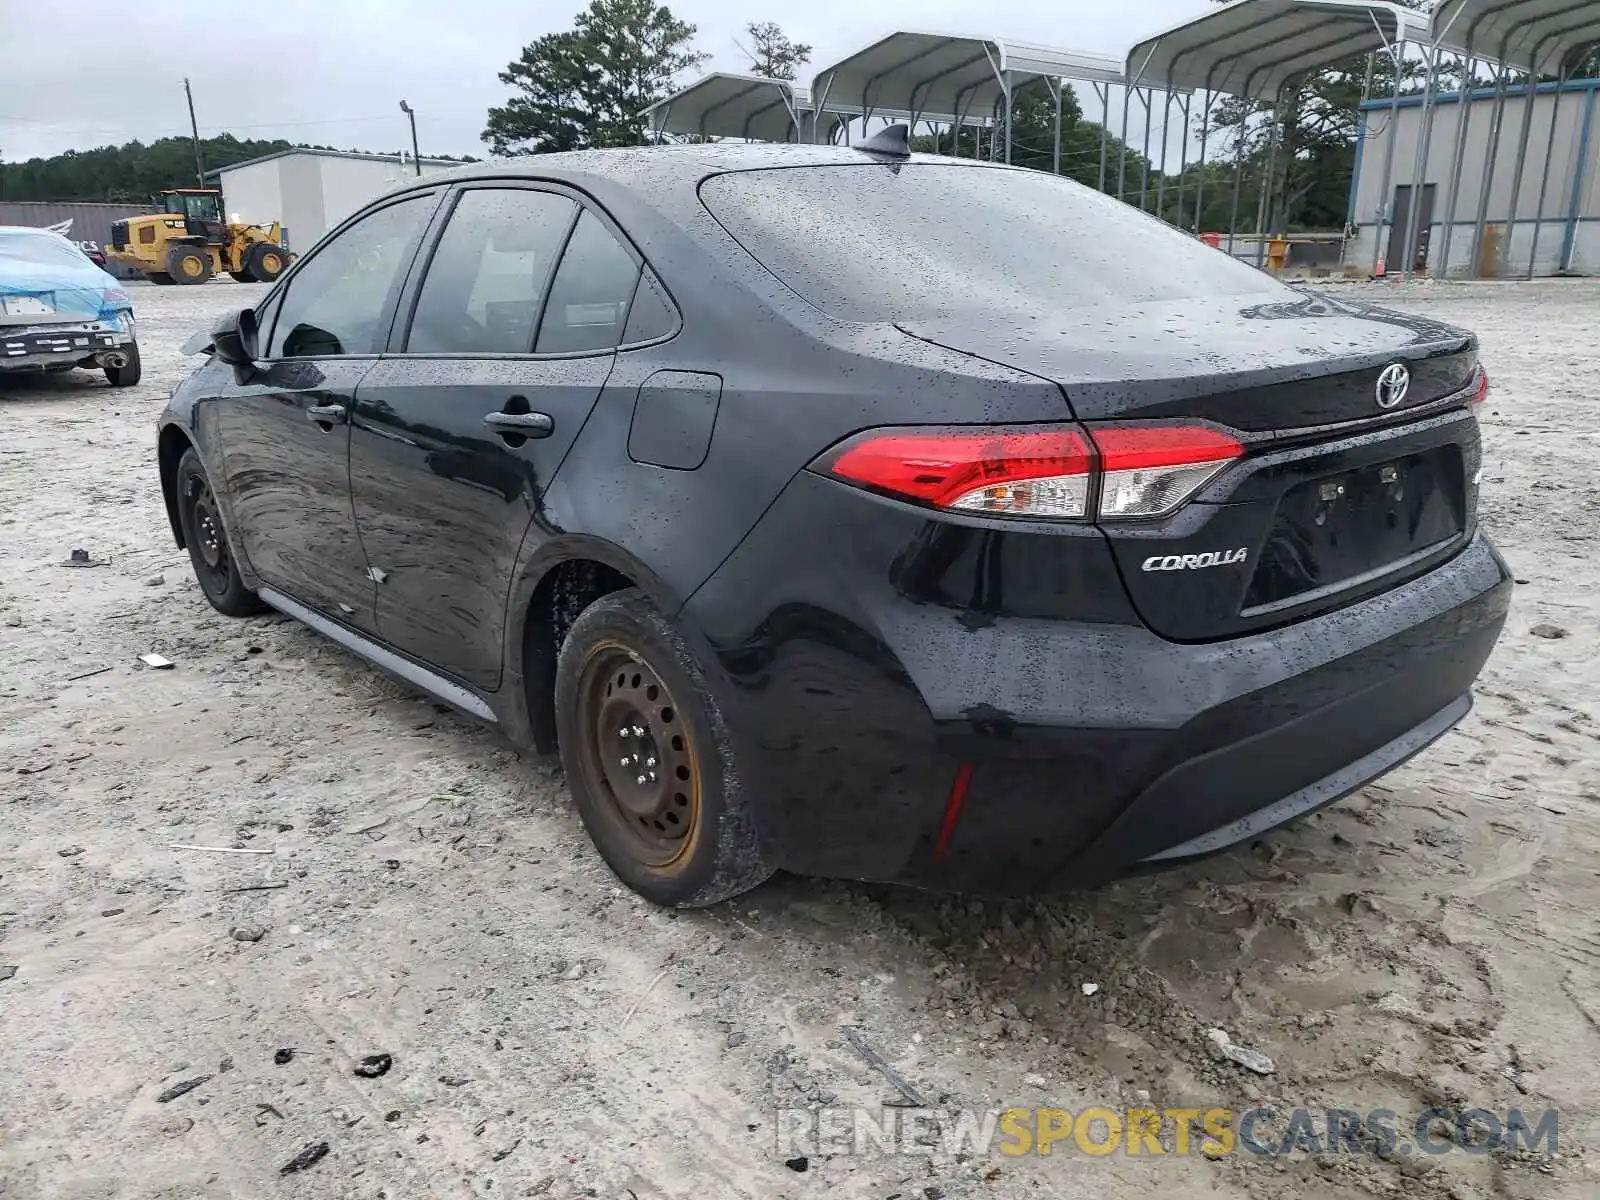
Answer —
(1544, 89)
(1580, 165)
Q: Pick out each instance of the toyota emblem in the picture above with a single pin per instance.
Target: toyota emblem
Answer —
(1394, 381)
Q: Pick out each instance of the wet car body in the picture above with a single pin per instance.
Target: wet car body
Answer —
(951, 699)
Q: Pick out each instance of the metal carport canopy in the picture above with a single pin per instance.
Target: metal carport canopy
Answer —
(731, 104)
(1527, 35)
(1253, 47)
(938, 76)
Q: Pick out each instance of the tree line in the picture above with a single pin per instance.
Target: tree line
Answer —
(135, 171)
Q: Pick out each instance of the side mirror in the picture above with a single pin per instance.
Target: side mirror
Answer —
(234, 338)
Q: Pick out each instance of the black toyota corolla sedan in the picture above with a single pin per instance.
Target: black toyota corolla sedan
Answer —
(854, 512)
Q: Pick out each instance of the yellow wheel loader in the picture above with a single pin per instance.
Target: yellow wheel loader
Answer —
(189, 242)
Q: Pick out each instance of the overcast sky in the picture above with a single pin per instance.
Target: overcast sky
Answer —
(332, 72)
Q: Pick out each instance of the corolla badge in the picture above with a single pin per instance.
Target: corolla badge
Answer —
(1394, 381)
(1193, 562)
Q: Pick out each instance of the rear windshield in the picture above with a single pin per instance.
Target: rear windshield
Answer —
(882, 242)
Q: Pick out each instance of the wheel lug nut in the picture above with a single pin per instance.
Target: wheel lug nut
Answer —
(649, 762)
(640, 781)
(624, 760)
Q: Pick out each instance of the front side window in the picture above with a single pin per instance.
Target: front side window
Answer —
(489, 273)
(588, 305)
(335, 303)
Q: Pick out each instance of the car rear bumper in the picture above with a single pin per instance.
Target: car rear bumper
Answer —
(33, 347)
(1088, 748)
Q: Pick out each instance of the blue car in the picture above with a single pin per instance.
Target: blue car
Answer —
(59, 311)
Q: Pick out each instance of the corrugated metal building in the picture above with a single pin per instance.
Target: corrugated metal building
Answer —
(91, 222)
(1561, 234)
(310, 191)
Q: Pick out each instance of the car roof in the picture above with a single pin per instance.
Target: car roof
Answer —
(648, 169)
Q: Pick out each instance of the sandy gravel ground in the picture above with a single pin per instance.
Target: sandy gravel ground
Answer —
(1434, 939)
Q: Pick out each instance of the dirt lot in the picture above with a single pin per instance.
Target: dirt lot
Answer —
(1431, 940)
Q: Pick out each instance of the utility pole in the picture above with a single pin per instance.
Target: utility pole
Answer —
(194, 132)
(416, 158)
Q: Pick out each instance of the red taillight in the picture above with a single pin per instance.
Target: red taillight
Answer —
(1007, 472)
(1481, 392)
(1042, 472)
(115, 296)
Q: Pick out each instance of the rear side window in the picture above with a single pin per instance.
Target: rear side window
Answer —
(916, 241)
(652, 315)
(588, 305)
(489, 272)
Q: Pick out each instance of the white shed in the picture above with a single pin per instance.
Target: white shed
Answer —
(311, 191)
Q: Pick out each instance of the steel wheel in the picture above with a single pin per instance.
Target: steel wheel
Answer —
(212, 562)
(636, 745)
(206, 539)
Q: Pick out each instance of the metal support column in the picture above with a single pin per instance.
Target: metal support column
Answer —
(1005, 88)
(1391, 133)
(1503, 259)
(1104, 89)
(1419, 165)
(1055, 157)
(1144, 166)
(1355, 166)
(1502, 73)
(1122, 150)
(1579, 167)
(1200, 169)
(1463, 124)
(1238, 181)
(1183, 164)
(1544, 175)
(1263, 215)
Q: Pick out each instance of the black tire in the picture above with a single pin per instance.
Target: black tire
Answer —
(265, 261)
(687, 837)
(188, 264)
(159, 277)
(242, 276)
(129, 375)
(209, 549)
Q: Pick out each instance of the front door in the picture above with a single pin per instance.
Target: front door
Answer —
(458, 432)
(284, 431)
(286, 444)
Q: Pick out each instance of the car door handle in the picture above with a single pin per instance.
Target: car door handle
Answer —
(326, 414)
(531, 424)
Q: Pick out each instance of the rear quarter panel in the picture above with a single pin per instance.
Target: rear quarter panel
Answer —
(793, 383)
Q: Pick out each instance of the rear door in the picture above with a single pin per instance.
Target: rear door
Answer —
(285, 433)
(460, 428)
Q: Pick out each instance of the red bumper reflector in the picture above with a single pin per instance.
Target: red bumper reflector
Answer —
(952, 811)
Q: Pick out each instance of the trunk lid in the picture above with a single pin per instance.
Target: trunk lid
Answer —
(1259, 367)
(1336, 498)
